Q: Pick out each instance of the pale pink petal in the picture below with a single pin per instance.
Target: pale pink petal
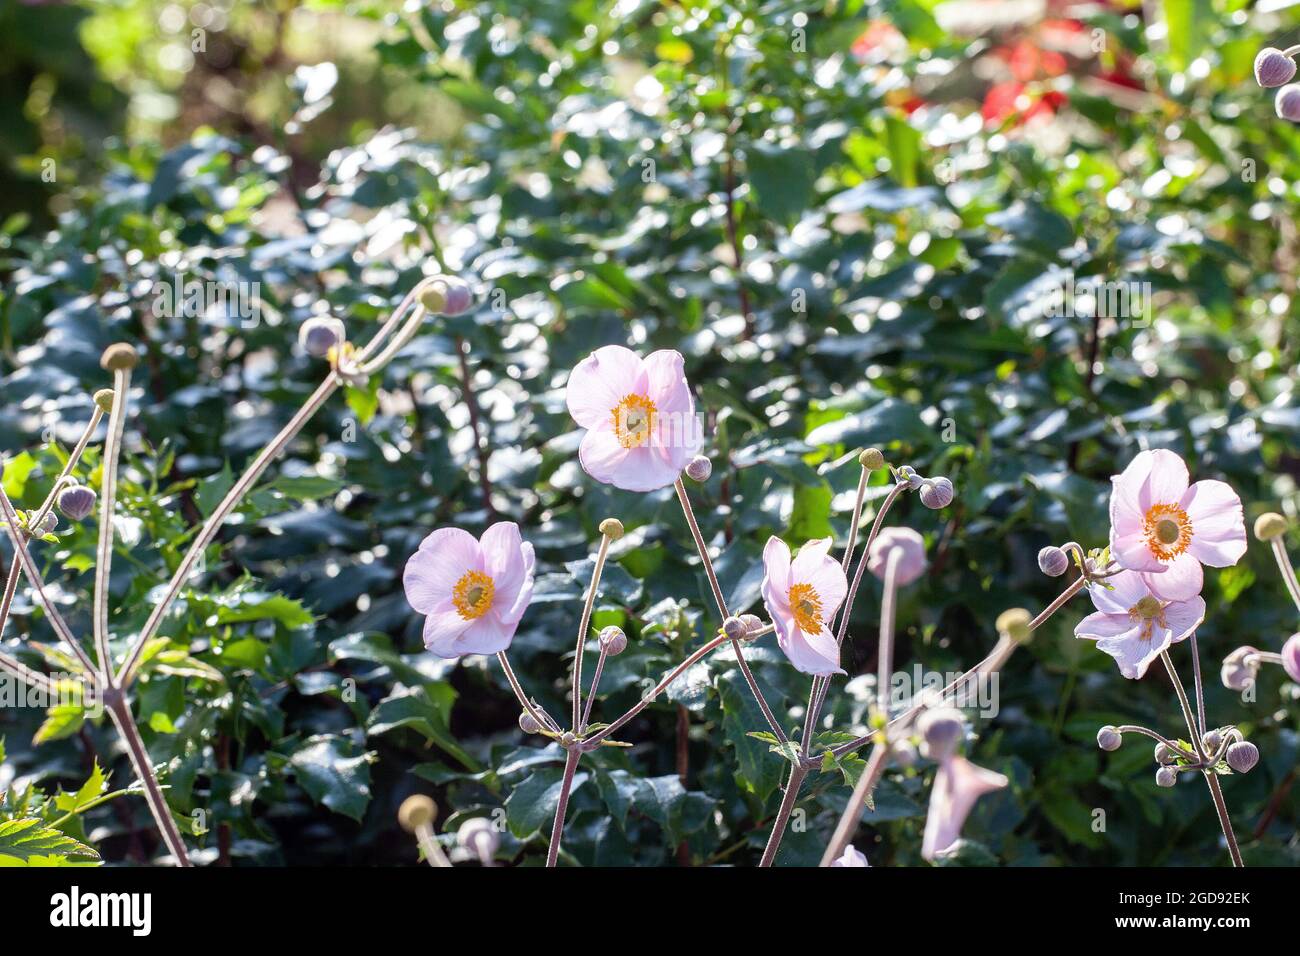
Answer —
(1181, 579)
(600, 381)
(957, 785)
(1096, 626)
(851, 857)
(1184, 617)
(1218, 525)
(1126, 589)
(666, 383)
(1166, 478)
(601, 455)
(442, 560)
(815, 567)
(1134, 652)
(645, 469)
(486, 635)
(776, 566)
(442, 630)
(817, 654)
(1130, 550)
(503, 560)
(512, 612)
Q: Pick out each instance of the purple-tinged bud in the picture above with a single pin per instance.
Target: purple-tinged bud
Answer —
(752, 624)
(1240, 668)
(937, 493)
(1212, 741)
(76, 502)
(910, 563)
(528, 724)
(49, 524)
(447, 296)
(942, 729)
(1273, 67)
(1164, 756)
(699, 469)
(1291, 657)
(479, 837)
(319, 334)
(1166, 777)
(1052, 561)
(1242, 756)
(734, 628)
(1287, 103)
(1108, 738)
(613, 641)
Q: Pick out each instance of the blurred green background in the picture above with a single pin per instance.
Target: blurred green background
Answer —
(854, 219)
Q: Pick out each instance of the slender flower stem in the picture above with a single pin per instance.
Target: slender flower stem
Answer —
(1200, 690)
(1211, 778)
(433, 852)
(208, 532)
(1288, 572)
(107, 505)
(1148, 732)
(700, 546)
(120, 713)
(885, 655)
(583, 626)
(649, 697)
(595, 684)
(797, 773)
(11, 586)
(533, 712)
(23, 555)
(562, 806)
(853, 811)
(18, 669)
(73, 458)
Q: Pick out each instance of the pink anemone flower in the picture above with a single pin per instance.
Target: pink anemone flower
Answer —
(851, 857)
(802, 596)
(639, 415)
(1162, 526)
(1135, 625)
(472, 592)
(957, 785)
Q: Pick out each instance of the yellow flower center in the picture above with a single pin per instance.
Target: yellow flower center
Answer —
(1149, 612)
(1168, 531)
(634, 418)
(472, 595)
(806, 604)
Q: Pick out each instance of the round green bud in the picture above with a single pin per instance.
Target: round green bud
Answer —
(1270, 525)
(612, 528)
(119, 357)
(1014, 623)
(416, 811)
(871, 459)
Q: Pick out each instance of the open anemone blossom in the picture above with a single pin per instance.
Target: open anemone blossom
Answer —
(957, 785)
(472, 592)
(802, 597)
(1163, 527)
(639, 415)
(1134, 625)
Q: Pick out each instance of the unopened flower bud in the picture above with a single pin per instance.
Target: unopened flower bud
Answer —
(937, 493)
(1291, 657)
(904, 753)
(1242, 756)
(1212, 741)
(1270, 525)
(479, 837)
(76, 502)
(1014, 623)
(321, 333)
(1052, 561)
(1164, 756)
(734, 628)
(699, 468)
(119, 357)
(612, 528)
(528, 723)
(1273, 67)
(942, 729)
(904, 548)
(1108, 738)
(49, 524)
(447, 296)
(1287, 103)
(416, 811)
(871, 459)
(1240, 668)
(613, 641)
(568, 738)
(104, 399)
(1166, 777)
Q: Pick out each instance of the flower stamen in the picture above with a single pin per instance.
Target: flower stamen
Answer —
(634, 419)
(1149, 612)
(806, 604)
(473, 594)
(1168, 531)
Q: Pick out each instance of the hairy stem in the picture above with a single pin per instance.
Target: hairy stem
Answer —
(584, 625)
(852, 814)
(533, 712)
(107, 505)
(797, 773)
(562, 806)
(120, 713)
(1288, 572)
(433, 852)
(581, 727)
(73, 458)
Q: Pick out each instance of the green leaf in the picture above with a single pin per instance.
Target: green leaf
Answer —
(27, 842)
(782, 178)
(425, 709)
(211, 490)
(531, 805)
(333, 775)
(15, 474)
(62, 720)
